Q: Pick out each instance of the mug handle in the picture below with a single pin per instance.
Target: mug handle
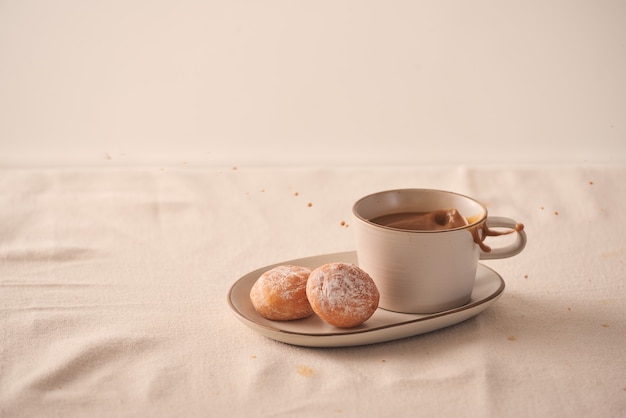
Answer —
(509, 250)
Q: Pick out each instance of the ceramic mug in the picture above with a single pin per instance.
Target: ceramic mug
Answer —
(427, 271)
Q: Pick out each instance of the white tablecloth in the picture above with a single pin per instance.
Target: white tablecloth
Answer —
(113, 286)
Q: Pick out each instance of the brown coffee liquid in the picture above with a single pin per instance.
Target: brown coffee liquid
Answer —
(482, 231)
(423, 221)
(439, 220)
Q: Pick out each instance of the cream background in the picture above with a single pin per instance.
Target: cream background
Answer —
(238, 134)
(311, 82)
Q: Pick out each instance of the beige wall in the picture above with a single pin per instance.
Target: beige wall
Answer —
(312, 82)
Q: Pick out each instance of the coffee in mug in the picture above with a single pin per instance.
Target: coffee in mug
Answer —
(421, 246)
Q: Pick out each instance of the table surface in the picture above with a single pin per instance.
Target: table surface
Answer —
(114, 288)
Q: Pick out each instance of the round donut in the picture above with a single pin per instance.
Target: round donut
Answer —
(279, 294)
(342, 294)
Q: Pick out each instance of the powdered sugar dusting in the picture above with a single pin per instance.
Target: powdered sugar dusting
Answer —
(280, 293)
(342, 294)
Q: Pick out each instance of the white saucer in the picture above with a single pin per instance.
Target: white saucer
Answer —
(382, 326)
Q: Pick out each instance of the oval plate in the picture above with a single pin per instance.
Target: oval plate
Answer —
(382, 326)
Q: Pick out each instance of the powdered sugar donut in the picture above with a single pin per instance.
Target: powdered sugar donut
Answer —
(280, 293)
(342, 294)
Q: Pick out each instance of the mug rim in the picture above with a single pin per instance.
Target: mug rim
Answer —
(473, 224)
